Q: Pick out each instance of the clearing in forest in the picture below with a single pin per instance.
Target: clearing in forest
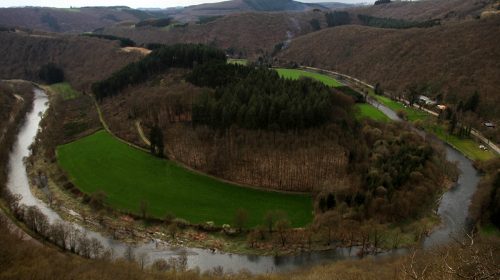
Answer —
(128, 176)
(296, 73)
(366, 110)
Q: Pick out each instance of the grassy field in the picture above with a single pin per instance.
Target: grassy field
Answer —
(368, 111)
(412, 113)
(237, 61)
(65, 90)
(129, 176)
(465, 145)
(295, 74)
(363, 110)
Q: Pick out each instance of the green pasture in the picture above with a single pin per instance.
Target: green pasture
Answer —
(128, 176)
(237, 61)
(368, 111)
(65, 90)
(296, 74)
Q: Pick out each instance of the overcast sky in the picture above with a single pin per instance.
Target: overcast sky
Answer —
(130, 3)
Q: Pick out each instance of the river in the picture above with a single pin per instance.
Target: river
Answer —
(453, 210)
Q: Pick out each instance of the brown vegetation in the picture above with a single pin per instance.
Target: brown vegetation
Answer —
(425, 10)
(454, 59)
(485, 205)
(75, 20)
(248, 34)
(84, 60)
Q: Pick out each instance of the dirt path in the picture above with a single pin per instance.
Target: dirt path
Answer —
(141, 133)
(106, 127)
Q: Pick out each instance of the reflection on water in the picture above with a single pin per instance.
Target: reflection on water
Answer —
(453, 210)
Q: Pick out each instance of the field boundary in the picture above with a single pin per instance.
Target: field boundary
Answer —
(180, 164)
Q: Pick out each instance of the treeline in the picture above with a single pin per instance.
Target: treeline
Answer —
(260, 99)
(337, 18)
(207, 19)
(51, 74)
(358, 97)
(398, 175)
(396, 23)
(181, 55)
(124, 42)
(485, 205)
(162, 22)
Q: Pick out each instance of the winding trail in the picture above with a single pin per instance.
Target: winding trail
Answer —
(141, 133)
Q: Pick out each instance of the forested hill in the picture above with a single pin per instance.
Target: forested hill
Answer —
(84, 60)
(259, 99)
(249, 34)
(454, 59)
(426, 10)
(74, 20)
(161, 59)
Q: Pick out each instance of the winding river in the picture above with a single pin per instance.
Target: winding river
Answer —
(453, 211)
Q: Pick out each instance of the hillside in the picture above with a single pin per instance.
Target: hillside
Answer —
(425, 9)
(84, 60)
(251, 34)
(455, 59)
(193, 13)
(75, 20)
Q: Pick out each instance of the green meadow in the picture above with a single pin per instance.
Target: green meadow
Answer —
(128, 176)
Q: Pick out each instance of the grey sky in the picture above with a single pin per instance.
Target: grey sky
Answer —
(130, 3)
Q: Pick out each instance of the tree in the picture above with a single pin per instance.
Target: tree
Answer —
(269, 219)
(51, 74)
(453, 124)
(156, 141)
(412, 94)
(272, 216)
(173, 229)
(240, 218)
(97, 200)
(330, 221)
(330, 201)
(378, 89)
(282, 226)
(379, 2)
(337, 18)
(143, 207)
(315, 24)
(472, 102)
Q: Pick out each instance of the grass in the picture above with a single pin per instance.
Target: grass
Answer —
(237, 61)
(413, 114)
(489, 230)
(296, 74)
(65, 90)
(368, 111)
(129, 176)
(467, 146)
(363, 110)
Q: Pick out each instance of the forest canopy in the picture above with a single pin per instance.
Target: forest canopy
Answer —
(162, 58)
(260, 99)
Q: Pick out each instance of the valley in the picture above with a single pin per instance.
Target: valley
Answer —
(250, 139)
